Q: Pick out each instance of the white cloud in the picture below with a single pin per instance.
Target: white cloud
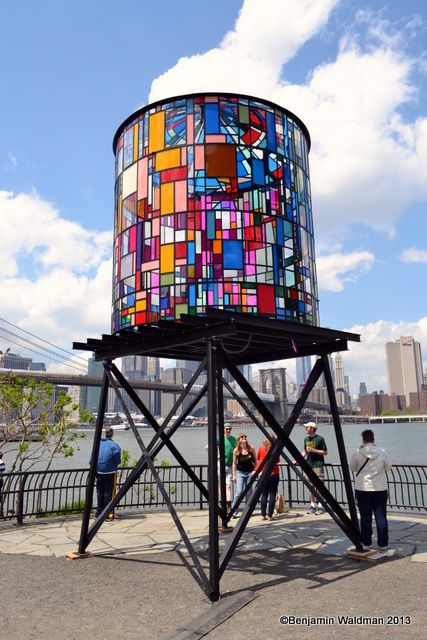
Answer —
(367, 161)
(336, 269)
(414, 255)
(366, 361)
(55, 276)
(33, 228)
(250, 57)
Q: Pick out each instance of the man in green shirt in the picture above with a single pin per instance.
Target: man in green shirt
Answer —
(229, 445)
(314, 451)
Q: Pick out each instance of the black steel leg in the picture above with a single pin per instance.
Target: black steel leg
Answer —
(93, 462)
(213, 473)
(341, 448)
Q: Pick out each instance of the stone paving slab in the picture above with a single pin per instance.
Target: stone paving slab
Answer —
(420, 554)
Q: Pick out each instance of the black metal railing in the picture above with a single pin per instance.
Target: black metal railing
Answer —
(48, 493)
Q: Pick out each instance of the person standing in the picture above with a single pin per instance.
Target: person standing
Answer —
(229, 444)
(369, 464)
(315, 451)
(268, 495)
(108, 462)
(244, 458)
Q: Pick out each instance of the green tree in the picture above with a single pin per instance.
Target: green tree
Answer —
(34, 426)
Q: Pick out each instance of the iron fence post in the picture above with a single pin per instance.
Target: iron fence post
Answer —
(20, 504)
(200, 493)
(289, 483)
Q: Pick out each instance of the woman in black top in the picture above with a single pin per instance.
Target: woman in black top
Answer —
(244, 458)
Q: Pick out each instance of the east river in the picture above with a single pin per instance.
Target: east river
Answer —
(404, 443)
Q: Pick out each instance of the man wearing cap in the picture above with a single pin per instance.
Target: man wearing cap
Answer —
(314, 451)
(229, 444)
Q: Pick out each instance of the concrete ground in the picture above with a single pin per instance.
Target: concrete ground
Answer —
(139, 581)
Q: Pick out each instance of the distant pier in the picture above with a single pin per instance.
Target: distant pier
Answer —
(358, 419)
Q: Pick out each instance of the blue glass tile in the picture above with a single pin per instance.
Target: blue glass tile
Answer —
(211, 118)
(258, 175)
(233, 254)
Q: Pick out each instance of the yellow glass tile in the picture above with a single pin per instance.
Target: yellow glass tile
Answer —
(166, 278)
(135, 142)
(168, 159)
(190, 270)
(119, 219)
(190, 234)
(167, 255)
(180, 308)
(141, 305)
(166, 198)
(156, 132)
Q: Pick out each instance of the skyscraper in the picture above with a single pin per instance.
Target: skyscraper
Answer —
(404, 366)
(95, 369)
(342, 386)
(339, 373)
(303, 369)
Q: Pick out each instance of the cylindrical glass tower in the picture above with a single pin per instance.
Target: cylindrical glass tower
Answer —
(212, 209)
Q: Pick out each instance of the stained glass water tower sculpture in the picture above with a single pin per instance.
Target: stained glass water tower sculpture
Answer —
(212, 209)
(214, 262)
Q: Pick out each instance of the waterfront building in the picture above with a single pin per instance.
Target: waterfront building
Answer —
(94, 369)
(177, 375)
(319, 394)
(404, 366)
(418, 401)
(373, 404)
(292, 390)
(303, 369)
(17, 362)
(138, 367)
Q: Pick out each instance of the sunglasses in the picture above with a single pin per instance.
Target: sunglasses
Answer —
(227, 429)
(243, 438)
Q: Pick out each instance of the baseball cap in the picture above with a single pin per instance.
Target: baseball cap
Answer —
(310, 424)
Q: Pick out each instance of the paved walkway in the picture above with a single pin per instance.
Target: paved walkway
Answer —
(156, 533)
(293, 566)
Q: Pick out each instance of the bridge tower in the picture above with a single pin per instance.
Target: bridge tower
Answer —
(274, 381)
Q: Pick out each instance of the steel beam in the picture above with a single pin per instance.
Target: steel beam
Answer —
(84, 539)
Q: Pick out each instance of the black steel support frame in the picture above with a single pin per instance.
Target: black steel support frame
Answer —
(215, 361)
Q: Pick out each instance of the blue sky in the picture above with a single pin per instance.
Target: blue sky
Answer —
(354, 71)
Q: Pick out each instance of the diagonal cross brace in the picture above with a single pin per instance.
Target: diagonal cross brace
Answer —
(160, 431)
(311, 381)
(335, 510)
(141, 466)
